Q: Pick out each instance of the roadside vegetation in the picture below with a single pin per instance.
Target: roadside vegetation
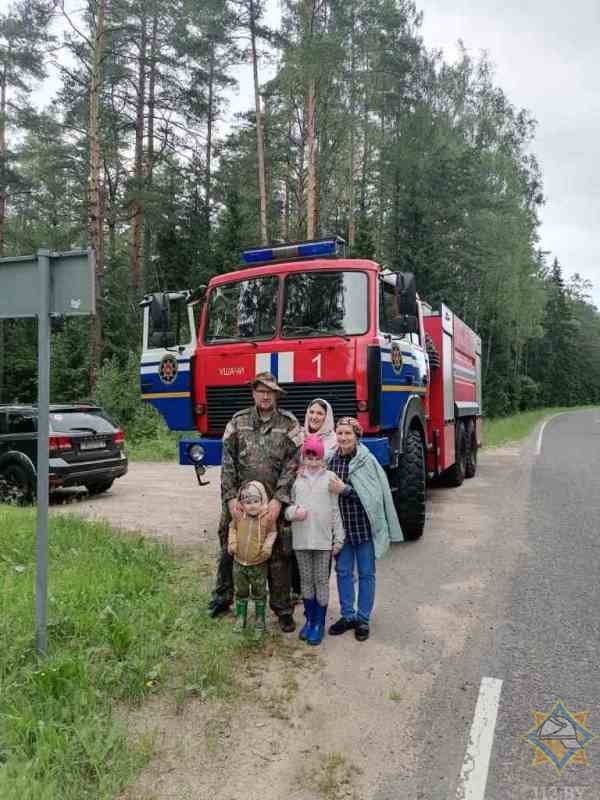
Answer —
(517, 426)
(124, 621)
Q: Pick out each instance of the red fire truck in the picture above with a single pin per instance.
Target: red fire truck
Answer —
(326, 326)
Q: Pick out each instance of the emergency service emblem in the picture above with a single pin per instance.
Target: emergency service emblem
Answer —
(396, 358)
(559, 737)
(167, 371)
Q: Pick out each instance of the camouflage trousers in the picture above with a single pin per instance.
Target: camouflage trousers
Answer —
(250, 581)
(279, 568)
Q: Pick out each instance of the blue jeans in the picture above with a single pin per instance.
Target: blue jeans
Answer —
(364, 555)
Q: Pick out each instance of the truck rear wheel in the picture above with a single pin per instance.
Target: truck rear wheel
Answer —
(457, 472)
(409, 497)
(471, 462)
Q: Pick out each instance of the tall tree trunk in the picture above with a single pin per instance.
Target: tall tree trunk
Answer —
(149, 169)
(137, 212)
(260, 148)
(311, 146)
(285, 217)
(96, 193)
(209, 135)
(3, 156)
(352, 154)
(2, 205)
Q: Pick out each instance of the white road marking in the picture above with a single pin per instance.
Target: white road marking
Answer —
(538, 449)
(473, 776)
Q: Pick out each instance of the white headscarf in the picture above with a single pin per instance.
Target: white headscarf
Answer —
(326, 432)
(258, 488)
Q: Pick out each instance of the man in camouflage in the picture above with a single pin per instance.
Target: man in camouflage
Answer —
(260, 443)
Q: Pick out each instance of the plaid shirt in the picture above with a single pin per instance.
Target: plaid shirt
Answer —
(354, 517)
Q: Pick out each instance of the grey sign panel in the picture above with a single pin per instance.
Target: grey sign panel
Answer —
(72, 284)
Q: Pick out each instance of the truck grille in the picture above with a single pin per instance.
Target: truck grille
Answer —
(225, 401)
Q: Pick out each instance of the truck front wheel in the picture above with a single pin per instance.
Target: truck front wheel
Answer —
(409, 497)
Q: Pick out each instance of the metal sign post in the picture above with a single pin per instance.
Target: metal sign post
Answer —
(41, 554)
(41, 286)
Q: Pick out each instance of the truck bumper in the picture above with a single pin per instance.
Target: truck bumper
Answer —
(213, 450)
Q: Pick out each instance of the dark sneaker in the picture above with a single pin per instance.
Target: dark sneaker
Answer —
(341, 626)
(215, 608)
(361, 631)
(286, 623)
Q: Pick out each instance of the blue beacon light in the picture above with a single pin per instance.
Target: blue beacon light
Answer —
(326, 247)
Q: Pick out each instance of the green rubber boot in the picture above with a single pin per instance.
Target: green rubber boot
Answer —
(241, 611)
(260, 623)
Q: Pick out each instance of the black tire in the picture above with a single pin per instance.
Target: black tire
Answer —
(456, 473)
(16, 485)
(99, 487)
(409, 497)
(471, 464)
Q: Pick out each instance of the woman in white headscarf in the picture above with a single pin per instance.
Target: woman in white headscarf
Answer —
(318, 421)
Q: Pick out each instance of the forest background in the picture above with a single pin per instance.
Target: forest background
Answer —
(362, 132)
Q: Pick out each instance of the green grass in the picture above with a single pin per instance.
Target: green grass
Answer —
(162, 447)
(502, 430)
(123, 621)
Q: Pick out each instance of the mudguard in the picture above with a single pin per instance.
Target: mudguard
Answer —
(413, 416)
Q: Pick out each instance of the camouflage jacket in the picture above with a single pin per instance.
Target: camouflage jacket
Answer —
(260, 450)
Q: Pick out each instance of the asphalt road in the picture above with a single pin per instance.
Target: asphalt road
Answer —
(529, 606)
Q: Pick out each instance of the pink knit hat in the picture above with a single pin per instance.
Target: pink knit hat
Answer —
(313, 444)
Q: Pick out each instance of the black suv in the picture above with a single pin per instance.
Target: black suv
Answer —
(85, 449)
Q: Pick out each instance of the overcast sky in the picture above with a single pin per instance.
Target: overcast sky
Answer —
(546, 57)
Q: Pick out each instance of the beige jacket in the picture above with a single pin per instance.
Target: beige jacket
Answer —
(251, 539)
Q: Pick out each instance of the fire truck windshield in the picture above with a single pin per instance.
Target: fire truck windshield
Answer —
(242, 310)
(325, 302)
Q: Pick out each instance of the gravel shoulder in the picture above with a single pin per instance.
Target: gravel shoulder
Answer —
(161, 499)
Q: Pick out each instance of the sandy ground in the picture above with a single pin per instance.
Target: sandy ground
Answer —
(342, 720)
(163, 500)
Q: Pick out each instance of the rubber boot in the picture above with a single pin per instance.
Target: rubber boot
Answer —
(260, 622)
(315, 632)
(309, 612)
(241, 611)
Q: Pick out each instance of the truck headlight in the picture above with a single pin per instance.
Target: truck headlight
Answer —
(196, 453)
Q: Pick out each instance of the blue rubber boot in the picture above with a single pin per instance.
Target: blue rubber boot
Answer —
(309, 611)
(315, 633)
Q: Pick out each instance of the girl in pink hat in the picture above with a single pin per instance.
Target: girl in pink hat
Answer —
(317, 532)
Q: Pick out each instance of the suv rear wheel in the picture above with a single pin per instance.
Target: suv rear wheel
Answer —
(99, 487)
(16, 485)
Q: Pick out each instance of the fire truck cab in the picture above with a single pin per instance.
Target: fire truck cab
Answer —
(346, 330)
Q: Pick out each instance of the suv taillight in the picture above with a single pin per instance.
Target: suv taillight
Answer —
(59, 443)
(119, 438)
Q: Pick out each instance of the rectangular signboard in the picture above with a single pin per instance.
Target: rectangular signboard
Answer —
(72, 284)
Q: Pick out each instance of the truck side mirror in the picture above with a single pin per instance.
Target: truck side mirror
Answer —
(406, 294)
(403, 324)
(159, 312)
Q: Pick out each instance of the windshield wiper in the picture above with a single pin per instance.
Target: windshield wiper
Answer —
(307, 329)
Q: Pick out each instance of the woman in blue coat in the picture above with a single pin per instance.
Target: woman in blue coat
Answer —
(370, 523)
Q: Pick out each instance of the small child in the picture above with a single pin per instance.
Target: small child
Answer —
(317, 531)
(250, 542)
